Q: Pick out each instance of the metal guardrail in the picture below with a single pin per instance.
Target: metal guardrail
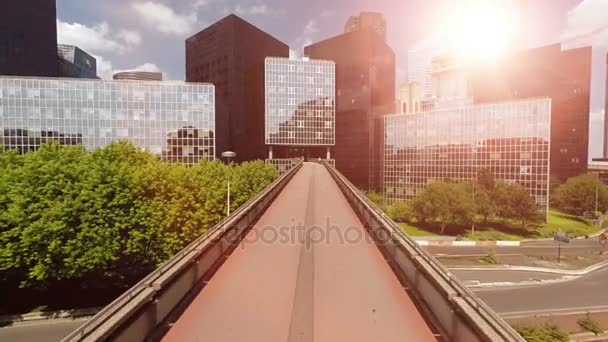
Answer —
(498, 328)
(104, 323)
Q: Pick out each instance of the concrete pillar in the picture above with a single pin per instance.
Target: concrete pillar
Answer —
(270, 152)
(328, 153)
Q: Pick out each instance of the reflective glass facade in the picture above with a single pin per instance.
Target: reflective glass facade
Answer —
(511, 139)
(300, 102)
(175, 120)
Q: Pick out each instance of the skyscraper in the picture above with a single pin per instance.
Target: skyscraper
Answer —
(300, 108)
(28, 38)
(230, 54)
(367, 21)
(365, 89)
(562, 75)
(75, 63)
(420, 66)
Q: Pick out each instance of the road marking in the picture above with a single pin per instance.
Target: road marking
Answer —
(564, 311)
(508, 243)
(463, 243)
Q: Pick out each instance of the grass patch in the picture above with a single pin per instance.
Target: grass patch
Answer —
(416, 231)
(569, 224)
(508, 230)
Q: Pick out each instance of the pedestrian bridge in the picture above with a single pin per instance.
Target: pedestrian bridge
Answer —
(308, 259)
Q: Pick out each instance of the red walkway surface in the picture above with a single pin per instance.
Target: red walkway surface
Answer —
(307, 271)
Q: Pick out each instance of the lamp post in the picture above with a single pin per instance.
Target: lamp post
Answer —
(228, 156)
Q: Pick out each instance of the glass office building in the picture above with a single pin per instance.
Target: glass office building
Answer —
(300, 107)
(175, 120)
(511, 139)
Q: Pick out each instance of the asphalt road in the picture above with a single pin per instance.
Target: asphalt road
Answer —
(41, 331)
(310, 288)
(587, 291)
(536, 248)
(500, 276)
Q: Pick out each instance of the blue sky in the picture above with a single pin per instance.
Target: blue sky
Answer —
(150, 34)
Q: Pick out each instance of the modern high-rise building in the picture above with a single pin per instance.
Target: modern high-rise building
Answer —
(231, 54)
(76, 63)
(365, 90)
(137, 75)
(372, 21)
(562, 75)
(511, 139)
(300, 108)
(409, 99)
(175, 120)
(28, 38)
(420, 67)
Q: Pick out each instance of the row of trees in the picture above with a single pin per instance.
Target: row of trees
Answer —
(584, 194)
(446, 203)
(108, 217)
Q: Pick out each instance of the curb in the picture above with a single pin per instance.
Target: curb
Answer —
(467, 243)
(584, 271)
(41, 316)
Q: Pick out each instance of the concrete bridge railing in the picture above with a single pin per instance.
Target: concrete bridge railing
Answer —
(453, 309)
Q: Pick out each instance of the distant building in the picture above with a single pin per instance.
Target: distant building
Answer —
(372, 21)
(189, 145)
(300, 108)
(136, 75)
(75, 63)
(565, 77)
(231, 54)
(409, 100)
(511, 139)
(95, 113)
(28, 38)
(420, 67)
(365, 90)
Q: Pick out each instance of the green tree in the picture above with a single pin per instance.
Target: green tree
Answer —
(400, 212)
(486, 180)
(376, 198)
(514, 202)
(444, 203)
(578, 195)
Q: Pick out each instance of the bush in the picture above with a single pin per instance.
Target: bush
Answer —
(489, 258)
(589, 324)
(400, 212)
(545, 333)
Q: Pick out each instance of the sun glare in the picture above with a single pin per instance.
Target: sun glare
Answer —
(482, 30)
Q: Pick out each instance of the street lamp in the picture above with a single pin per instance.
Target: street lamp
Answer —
(228, 156)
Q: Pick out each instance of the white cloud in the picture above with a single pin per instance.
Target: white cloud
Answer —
(164, 19)
(259, 9)
(305, 38)
(98, 38)
(130, 37)
(587, 25)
